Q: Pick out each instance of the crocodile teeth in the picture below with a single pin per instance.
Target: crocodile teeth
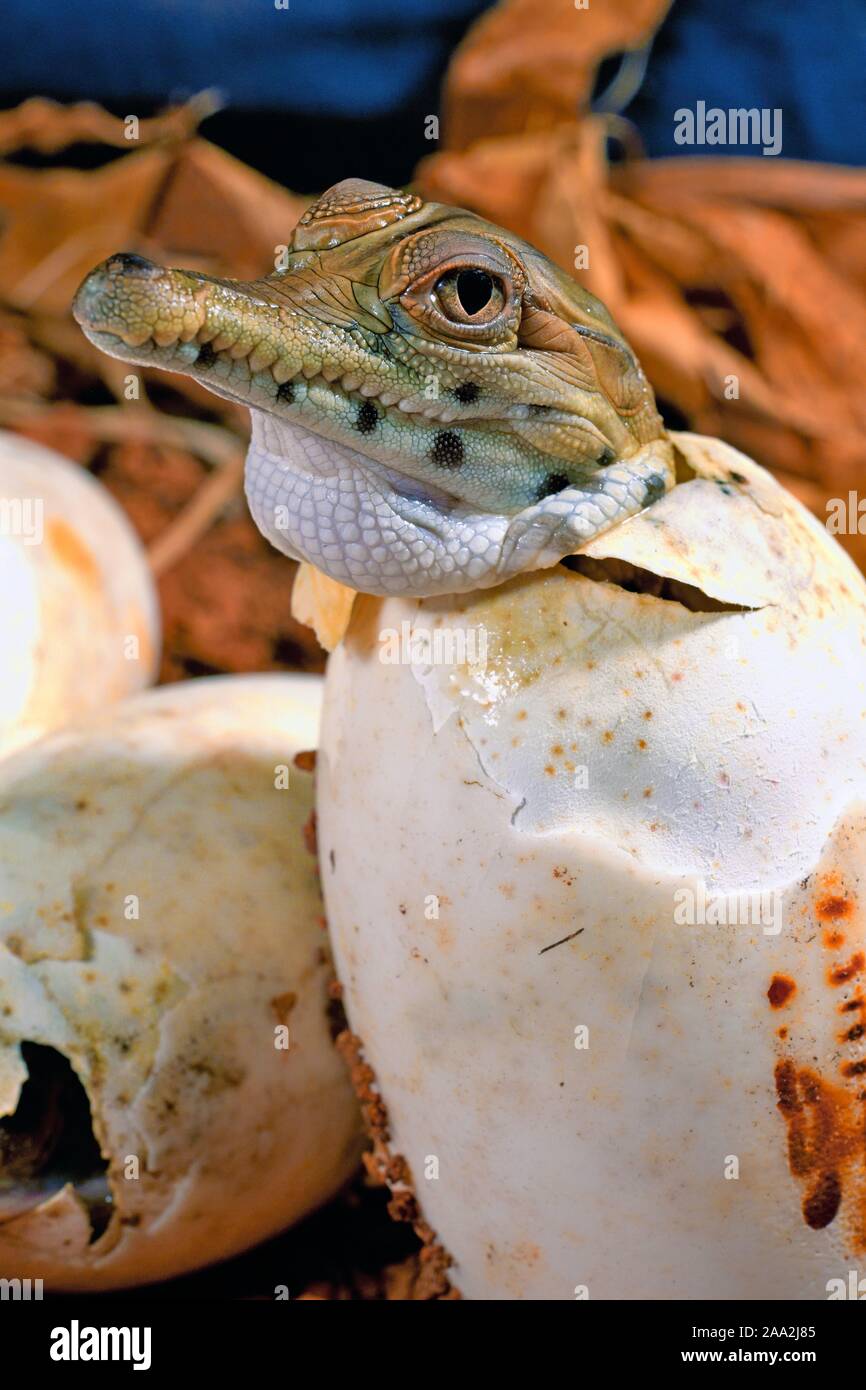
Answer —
(351, 383)
(282, 371)
(331, 373)
(133, 339)
(164, 337)
(221, 342)
(262, 357)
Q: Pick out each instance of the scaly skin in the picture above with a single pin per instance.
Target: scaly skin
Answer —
(435, 407)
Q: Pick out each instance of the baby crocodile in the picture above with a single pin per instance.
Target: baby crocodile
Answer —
(435, 406)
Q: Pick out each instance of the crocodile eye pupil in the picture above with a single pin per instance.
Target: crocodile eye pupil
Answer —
(474, 288)
(471, 298)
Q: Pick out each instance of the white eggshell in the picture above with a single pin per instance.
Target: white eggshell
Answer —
(624, 1096)
(161, 927)
(79, 620)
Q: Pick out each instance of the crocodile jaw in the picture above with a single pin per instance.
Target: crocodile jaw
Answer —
(381, 533)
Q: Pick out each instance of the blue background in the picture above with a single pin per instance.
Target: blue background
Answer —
(369, 70)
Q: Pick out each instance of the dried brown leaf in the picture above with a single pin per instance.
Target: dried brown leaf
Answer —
(48, 126)
(525, 66)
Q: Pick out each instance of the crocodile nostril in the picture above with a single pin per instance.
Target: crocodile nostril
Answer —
(131, 264)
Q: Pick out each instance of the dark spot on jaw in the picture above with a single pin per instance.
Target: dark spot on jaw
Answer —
(737, 477)
(286, 392)
(206, 356)
(656, 487)
(367, 418)
(447, 450)
(554, 482)
(467, 392)
(606, 457)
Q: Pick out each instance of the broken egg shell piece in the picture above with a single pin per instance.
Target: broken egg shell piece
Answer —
(79, 621)
(584, 1066)
(161, 931)
(730, 530)
(670, 715)
(322, 603)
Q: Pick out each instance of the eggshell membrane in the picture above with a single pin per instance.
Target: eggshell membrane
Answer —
(75, 588)
(171, 1020)
(509, 839)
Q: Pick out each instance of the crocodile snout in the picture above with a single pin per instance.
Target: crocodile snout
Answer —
(136, 300)
(128, 263)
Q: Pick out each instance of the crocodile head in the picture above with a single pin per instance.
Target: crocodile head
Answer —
(435, 406)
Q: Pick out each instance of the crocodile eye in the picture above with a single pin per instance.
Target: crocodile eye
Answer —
(470, 295)
(460, 287)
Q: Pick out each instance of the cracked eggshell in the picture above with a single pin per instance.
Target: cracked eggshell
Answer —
(626, 1096)
(76, 587)
(160, 923)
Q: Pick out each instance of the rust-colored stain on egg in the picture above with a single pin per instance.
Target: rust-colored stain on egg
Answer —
(823, 1104)
(781, 990)
(71, 551)
(832, 907)
(826, 1147)
(822, 1203)
(842, 974)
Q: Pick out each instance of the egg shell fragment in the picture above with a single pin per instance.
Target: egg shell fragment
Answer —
(79, 620)
(161, 928)
(601, 923)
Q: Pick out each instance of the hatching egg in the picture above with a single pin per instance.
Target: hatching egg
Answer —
(593, 850)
